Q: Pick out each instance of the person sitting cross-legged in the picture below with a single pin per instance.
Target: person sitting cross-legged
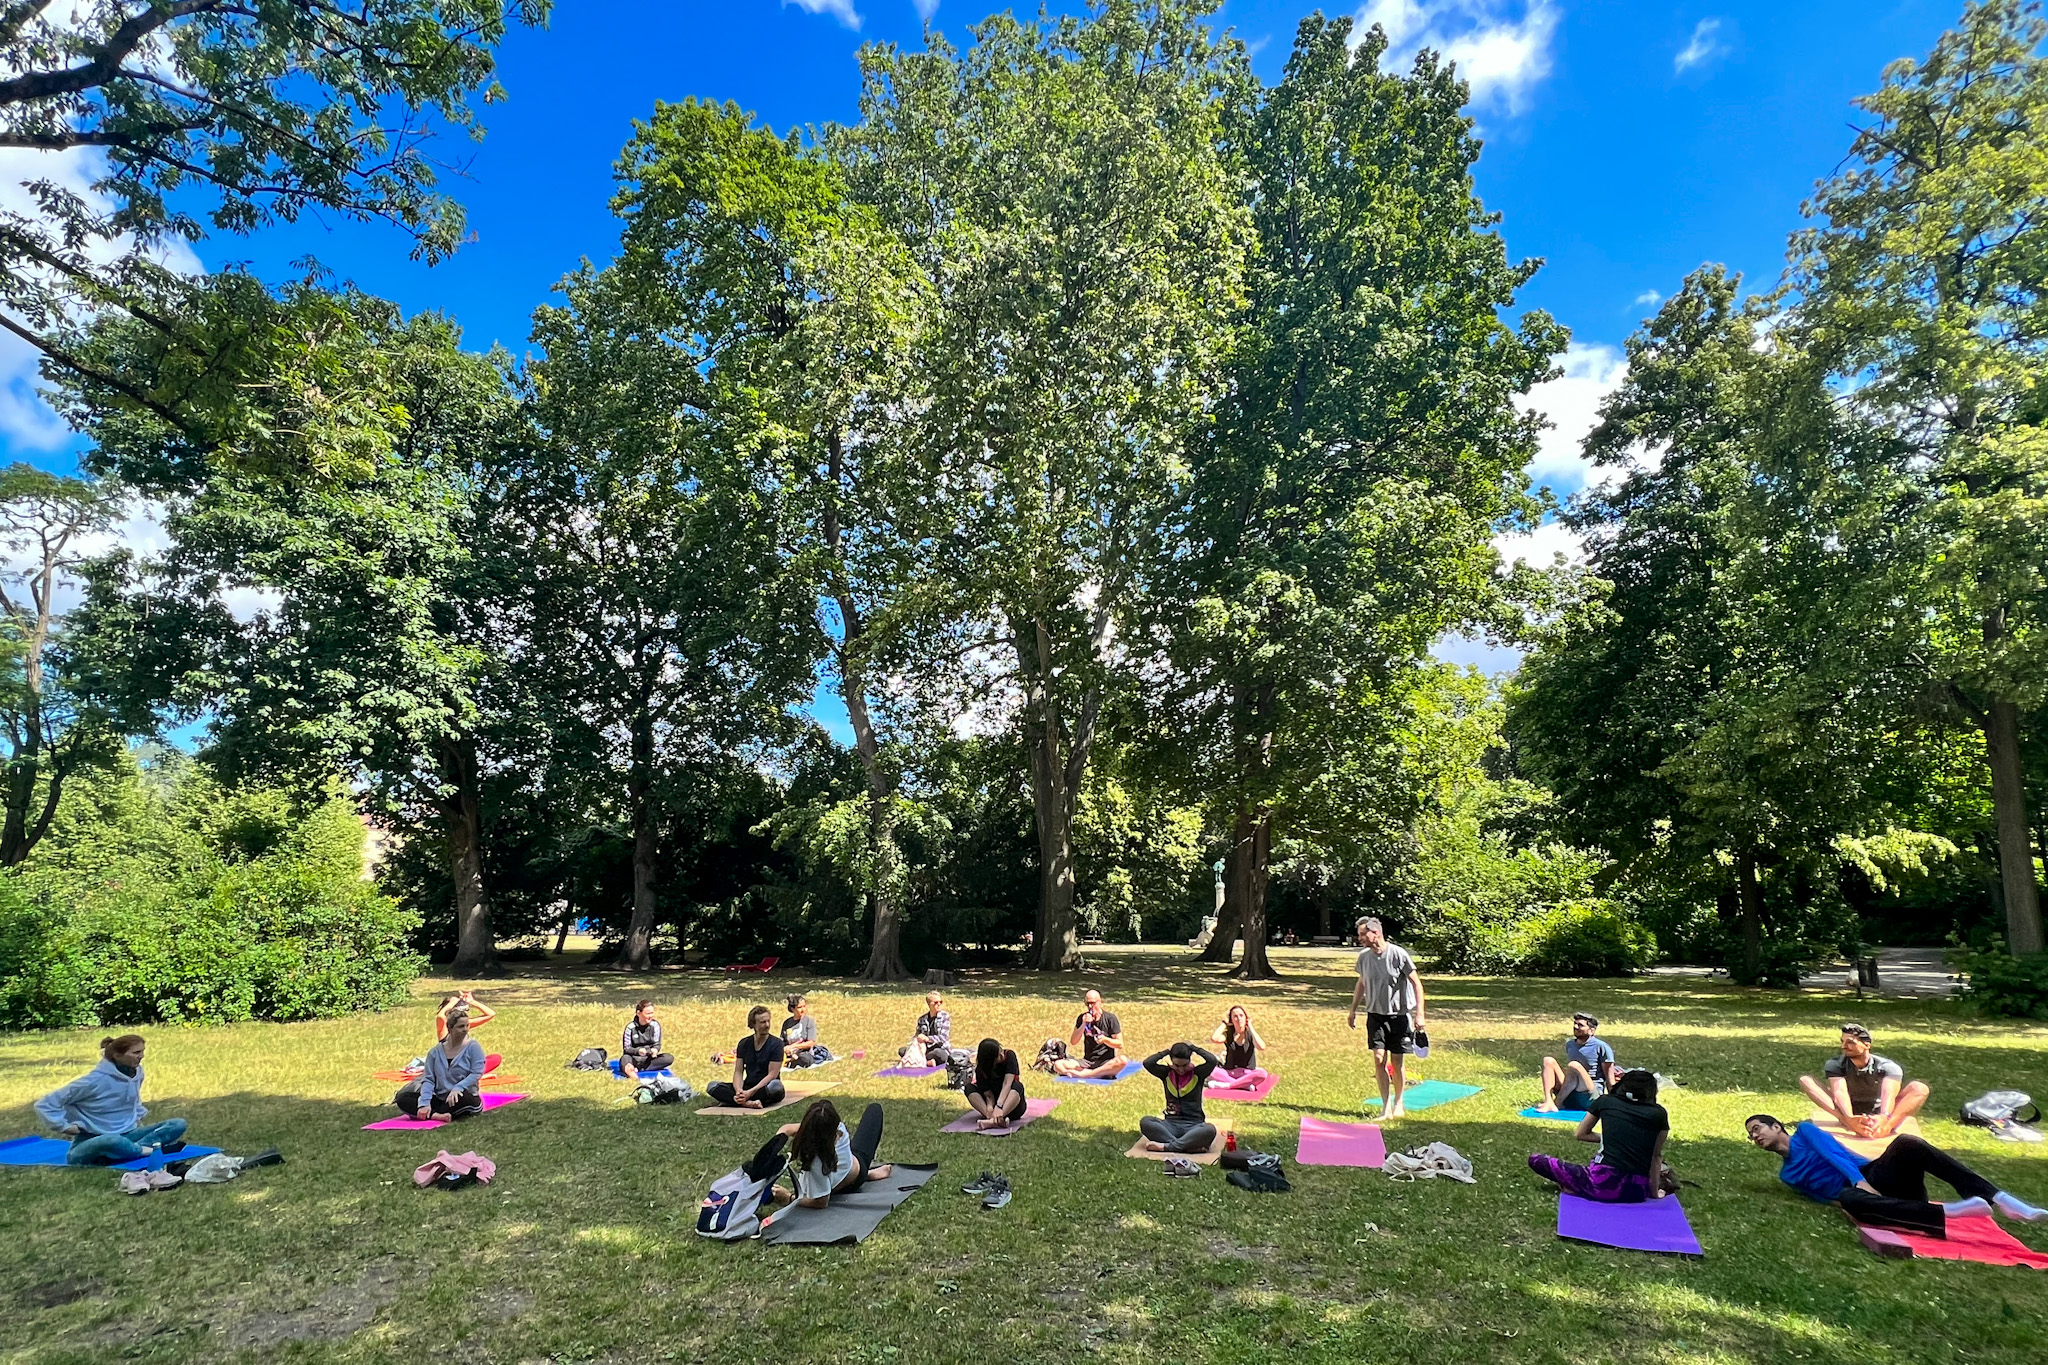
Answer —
(1184, 1127)
(1100, 1037)
(756, 1068)
(1241, 1048)
(1632, 1127)
(452, 1083)
(640, 1044)
(1867, 1094)
(996, 1091)
(931, 1038)
(800, 1035)
(1888, 1190)
(102, 1111)
(1588, 1070)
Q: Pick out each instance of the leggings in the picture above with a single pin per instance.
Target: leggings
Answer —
(1900, 1179)
(460, 1104)
(1604, 1184)
(661, 1061)
(110, 1149)
(767, 1163)
(770, 1094)
(1178, 1135)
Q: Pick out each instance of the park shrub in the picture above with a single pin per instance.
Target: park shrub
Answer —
(1997, 983)
(1583, 938)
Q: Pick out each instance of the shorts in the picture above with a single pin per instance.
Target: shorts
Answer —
(1580, 1100)
(1388, 1033)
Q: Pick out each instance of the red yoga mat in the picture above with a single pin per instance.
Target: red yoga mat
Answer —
(1977, 1239)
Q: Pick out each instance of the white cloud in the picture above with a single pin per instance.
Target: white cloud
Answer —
(1704, 46)
(1571, 403)
(842, 10)
(1503, 57)
(1541, 547)
(926, 8)
(1649, 298)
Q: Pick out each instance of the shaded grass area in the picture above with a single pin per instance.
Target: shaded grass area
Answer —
(584, 1251)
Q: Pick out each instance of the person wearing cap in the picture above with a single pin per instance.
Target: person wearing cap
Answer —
(1392, 995)
(1867, 1094)
(1589, 1068)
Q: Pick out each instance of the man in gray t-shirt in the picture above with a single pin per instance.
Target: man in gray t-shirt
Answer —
(1392, 995)
(1867, 1094)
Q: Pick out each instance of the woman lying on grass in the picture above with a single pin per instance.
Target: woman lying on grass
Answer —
(825, 1159)
(102, 1113)
(1631, 1156)
(996, 1091)
(452, 1083)
(1241, 1048)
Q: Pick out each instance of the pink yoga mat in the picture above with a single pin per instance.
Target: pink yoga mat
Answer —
(1033, 1109)
(1248, 1096)
(1969, 1239)
(1652, 1225)
(400, 1124)
(1327, 1143)
(911, 1072)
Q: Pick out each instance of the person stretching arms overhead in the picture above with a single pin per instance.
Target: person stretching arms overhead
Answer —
(1100, 1036)
(1184, 1127)
(1889, 1190)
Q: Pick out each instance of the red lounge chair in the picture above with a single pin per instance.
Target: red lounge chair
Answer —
(766, 965)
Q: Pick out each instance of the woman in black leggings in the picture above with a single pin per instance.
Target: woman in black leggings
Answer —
(996, 1094)
(823, 1157)
(1185, 1127)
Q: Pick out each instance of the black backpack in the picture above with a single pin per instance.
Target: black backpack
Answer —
(590, 1059)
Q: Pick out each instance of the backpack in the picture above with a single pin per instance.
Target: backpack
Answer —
(732, 1208)
(1053, 1050)
(2000, 1111)
(959, 1071)
(590, 1059)
(663, 1090)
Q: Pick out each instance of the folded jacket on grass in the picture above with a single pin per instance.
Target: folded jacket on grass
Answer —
(1033, 1110)
(1325, 1142)
(1428, 1094)
(50, 1151)
(1653, 1225)
(1558, 1115)
(792, 1092)
(1202, 1158)
(1978, 1239)
(402, 1123)
(1129, 1069)
(910, 1072)
(1250, 1094)
(849, 1217)
(1867, 1148)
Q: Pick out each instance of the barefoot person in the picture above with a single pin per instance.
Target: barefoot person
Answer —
(102, 1111)
(452, 1083)
(1184, 1127)
(1888, 1190)
(996, 1092)
(1867, 1094)
(1392, 995)
(640, 1044)
(1632, 1127)
(756, 1068)
(1241, 1048)
(1588, 1069)
(931, 1038)
(824, 1159)
(1100, 1037)
(800, 1035)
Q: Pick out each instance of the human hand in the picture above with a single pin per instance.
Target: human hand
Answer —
(424, 1113)
(1352, 1022)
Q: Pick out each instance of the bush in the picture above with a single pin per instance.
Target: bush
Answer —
(1583, 938)
(1999, 984)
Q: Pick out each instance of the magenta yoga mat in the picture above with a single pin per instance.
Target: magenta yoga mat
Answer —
(1033, 1110)
(1325, 1142)
(1248, 1095)
(401, 1124)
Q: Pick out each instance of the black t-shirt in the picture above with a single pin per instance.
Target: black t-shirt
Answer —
(1183, 1094)
(1628, 1132)
(1093, 1050)
(754, 1065)
(1239, 1056)
(992, 1086)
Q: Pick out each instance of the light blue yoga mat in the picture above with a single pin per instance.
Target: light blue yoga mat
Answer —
(1428, 1094)
(49, 1151)
(1130, 1069)
(1555, 1115)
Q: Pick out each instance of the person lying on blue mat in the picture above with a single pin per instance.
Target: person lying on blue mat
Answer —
(102, 1111)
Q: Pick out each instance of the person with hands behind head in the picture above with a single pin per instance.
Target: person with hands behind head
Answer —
(1241, 1048)
(1628, 1167)
(756, 1068)
(466, 1001)
(102, 1111)
(452, 1082)
(1185, 1126)
(1100, 1037)
(1392, 995)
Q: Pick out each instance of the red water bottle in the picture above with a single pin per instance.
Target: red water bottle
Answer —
(1230, 1140)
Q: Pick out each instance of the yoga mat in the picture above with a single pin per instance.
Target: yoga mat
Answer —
(911, 1072)
(1428, 1094)
(1241, 1094)
(401, 1124)
(615, 1065)
(1327, 1143)
(792, 1092)
(1033, 1110)
(1867, 1148)
(49, 1151)
(491, 1063)
(1978, 1239)
(1653, 1225)
(1130, 1068)
(1555, 1115)
(1204, 1158)
(849, 1217)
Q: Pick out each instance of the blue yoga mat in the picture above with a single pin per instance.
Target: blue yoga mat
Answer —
(49, 1151)
(1555, 1115)
(1428, 1094)
(622, 1075)
(1130, 1068)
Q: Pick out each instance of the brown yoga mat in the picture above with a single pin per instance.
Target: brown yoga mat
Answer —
(1207, 1158)
(792, 1093)
(1867, 1148)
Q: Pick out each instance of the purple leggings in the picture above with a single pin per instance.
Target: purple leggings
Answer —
(1604, 1184)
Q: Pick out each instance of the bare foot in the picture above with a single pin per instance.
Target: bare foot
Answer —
(881, 1172)
(1398, 1112)
(1547, 1107)
(1152, 1146)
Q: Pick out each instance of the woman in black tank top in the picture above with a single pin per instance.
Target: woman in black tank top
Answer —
(1241, 1048)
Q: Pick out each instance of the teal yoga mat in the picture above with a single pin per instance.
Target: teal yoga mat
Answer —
(1555, 1115)
(1428, 1095)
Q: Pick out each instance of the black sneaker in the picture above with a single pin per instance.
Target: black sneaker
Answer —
(177, 1146)
(980, 1184)
(998, 1191)
(269, 1156)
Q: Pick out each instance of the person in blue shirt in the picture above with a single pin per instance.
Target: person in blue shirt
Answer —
(1589, 1068)
(1885, 1191)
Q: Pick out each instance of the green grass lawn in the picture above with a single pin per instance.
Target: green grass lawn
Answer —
(584, 1249)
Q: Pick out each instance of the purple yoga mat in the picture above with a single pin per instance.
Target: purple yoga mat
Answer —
(400, 1124)
(911, 1072)
(1327, 1143)
(1033, 1109)
(1653, 1225)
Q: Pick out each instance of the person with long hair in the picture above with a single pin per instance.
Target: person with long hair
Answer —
(1241, 1048)
(1888, 1190)
(800, 1035)
(452, 1083)
(824, 1159)
(479, 1014)
(1185, 1126)
(1627, 1168)
(756, 1068)
(996, 1092)
(102, 1111)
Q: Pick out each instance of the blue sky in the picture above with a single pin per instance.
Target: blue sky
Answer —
(1626, 143)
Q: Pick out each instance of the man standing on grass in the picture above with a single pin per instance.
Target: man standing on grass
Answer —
(1392, 994)
(1100, 1037)
(1867, 1094)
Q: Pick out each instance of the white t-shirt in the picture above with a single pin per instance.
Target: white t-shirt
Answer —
(813, 1181)
(1389, 979)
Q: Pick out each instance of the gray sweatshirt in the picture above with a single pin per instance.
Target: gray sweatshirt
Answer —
(445, 1075)
(103, 1100)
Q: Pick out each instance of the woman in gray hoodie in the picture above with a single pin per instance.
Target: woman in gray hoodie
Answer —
(102, 1113)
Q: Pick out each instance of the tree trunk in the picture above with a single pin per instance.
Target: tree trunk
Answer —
(1057, 765)
(636, 954)
(1750, 898)
(1229, 920)
(2015, 839)
(562, 934)
(1251, 845)
(476, 942)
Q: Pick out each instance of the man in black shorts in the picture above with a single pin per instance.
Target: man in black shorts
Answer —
(1392, 995)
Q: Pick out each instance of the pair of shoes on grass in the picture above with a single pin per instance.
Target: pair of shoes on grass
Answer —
(994, 1189)
(146, 1182)
(1181, 1168)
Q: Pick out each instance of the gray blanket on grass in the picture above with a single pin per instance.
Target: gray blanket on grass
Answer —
(849, 1217)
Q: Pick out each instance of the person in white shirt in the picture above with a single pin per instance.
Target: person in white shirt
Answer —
(824, 1159)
